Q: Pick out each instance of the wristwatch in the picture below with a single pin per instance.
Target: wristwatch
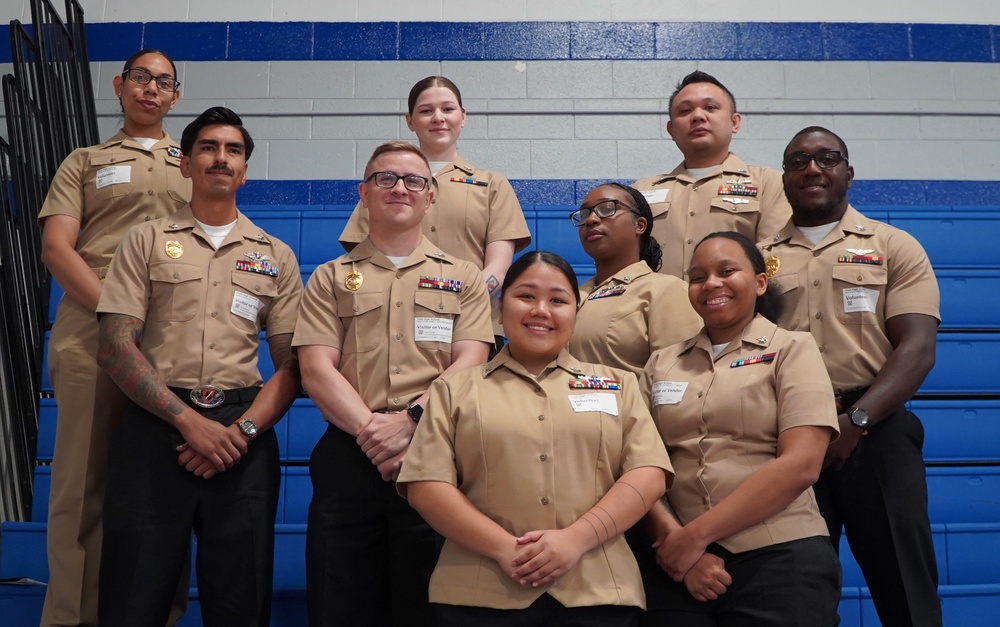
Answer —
(415, 411)
(248, 428)
(859, 417)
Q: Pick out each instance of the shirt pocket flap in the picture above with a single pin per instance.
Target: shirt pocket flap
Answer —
(115, 159)
(255, 283)
(358, 304)
(860, 274)
(438, 301)
(175, 273)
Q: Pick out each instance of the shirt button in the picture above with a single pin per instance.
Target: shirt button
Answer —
(215, 284)
(690, 213)
(545, 500)
(356, 309)
(176, 276)
(819, 314)
(398, 370)
(861, 278)
(815, 253)
(433, 229)
(149, 169)
(256, 288)
(695, 188)
(149, 192)
(398, 336)
(212, 345)
(440, 305)
(541, 417)
(215, 314)
(699, 394)
(395, 400)
(822, 348)
(399, 303)
(147, 218)
(816, 283)
(689, 241)
(543, 457)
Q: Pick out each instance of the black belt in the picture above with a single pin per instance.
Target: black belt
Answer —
(847, 398)
(234, 396)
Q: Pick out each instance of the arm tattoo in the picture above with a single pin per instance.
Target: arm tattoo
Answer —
(492, 284)
(119, 355)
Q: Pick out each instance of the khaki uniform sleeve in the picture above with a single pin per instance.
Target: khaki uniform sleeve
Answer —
(674, 320)
(802, 386)
(641, 442)
(474, 322)
(431, 456)
(506, 216)
(356, 229)
(318, 322)
(65, 195)
(126, 288)
(912, 287)
(284, 310)
(774, 208)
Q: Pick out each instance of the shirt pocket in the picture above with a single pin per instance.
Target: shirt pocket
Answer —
(176, 292)
(361, 315)
(736, 215)
(178, 187)
(794, 299)
(859, 293)
(260, 286)
(437, 305)
(100, 164)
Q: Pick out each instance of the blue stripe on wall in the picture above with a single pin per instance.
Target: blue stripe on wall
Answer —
(473, 41)
(571, 192)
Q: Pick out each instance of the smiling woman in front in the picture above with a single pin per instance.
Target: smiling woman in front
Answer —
(531, 466)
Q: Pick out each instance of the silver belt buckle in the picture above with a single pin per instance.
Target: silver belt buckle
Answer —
(207, 396)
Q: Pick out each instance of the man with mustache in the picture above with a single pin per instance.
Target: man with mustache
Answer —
(180, 315)
(712, 189)
(867, 293)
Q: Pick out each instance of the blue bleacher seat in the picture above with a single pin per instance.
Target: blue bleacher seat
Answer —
(964, 494)
(852, 576)
(298, 494)
(962, 364)
(305, 426)
(283, 222)
(264, 362)
(970, 299)
(960, 430)
(46, 381)
(557, 234)
(23, 553)
(955, 240)
(46, 444)
(55, 295)
(320, 230)
(40, 499)
(972, 553)
(850, 607)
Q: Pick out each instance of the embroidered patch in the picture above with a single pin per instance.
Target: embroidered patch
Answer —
(753, 359)
(434, 283)
(594, 382)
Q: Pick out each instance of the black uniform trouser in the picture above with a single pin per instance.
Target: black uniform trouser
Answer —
(791, 584)
(545, 611)
(153, 504)
(880, 498)
(369, 555)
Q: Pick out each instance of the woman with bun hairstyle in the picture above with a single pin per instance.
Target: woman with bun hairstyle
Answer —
(475, 215)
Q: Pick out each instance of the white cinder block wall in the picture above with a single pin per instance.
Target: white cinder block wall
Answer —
(573, 119)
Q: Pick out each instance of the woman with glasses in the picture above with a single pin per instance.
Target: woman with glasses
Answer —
(475, 215)
(531, 466)
(747, 412)
(96, 195)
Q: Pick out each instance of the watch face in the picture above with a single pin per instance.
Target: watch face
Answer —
(860, 418)
(248, 427)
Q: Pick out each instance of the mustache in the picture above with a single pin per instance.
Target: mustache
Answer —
(221, 168)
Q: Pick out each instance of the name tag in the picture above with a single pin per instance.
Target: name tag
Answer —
(433, 329)
(860, 299)
(246, 306)
(604, 403)
(113, 174)
(668, 392)
(655, 195)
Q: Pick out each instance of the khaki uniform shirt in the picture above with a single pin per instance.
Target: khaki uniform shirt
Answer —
(521, 452)
(686, 210)
(394, 334)
(844, 301)
(721, 421)
(203, 308)
(112, 186)
(622, 321)
(464, 217)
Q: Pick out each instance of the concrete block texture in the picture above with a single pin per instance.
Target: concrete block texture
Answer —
(530, 126)
(827, 79)
(573, 79)
(510, 157)
(924, 81)
(312, 79)
(290, 159)
(576, 159)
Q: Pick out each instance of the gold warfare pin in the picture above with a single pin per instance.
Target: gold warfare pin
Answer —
(354, 281)
(173, 249)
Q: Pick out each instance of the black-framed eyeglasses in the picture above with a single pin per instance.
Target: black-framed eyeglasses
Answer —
(604, 209)
(387, 180)
(142, 76)
(825, 159)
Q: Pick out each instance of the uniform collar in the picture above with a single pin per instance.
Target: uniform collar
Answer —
(563, 361)
(125, 140)
(851, 223)
(458, 163)
(184, 220)
(757, 335)
(366, 251)
(626, 275)
(732, 165)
